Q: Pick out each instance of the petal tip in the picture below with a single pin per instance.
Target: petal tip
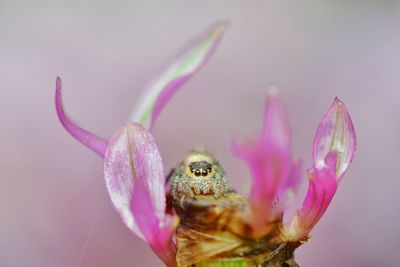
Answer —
(276, 126)
(185, 64)
(58, 83)
(339, 105)
(221, 26)
(273, 91)
(337, 100)
(335, 132)
(85, 137)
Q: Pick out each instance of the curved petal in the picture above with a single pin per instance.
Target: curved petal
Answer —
(134, 176)
(269, 156)
(333, 150)
(270, 169)
(91, 141)
(187, 63)
(269, 160)
(321, 189)
(276, 124)
(335, 133)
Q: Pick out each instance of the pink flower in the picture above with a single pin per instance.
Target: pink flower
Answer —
(134, 173)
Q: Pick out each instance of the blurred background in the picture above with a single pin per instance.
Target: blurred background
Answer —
(51, 188)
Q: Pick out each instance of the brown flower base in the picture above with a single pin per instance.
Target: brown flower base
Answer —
(213, 232)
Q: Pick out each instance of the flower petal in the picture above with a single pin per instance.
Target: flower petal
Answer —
(335, 133)
(333, 150)
(321, 189)
(159, 91)
(134, 176)
(270, 169)
(91, 141)
(276, 124)
(269, 160)
(157, 231)
(269, 155)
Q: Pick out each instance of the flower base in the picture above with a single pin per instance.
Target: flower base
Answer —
(281, 260)
(212, 233)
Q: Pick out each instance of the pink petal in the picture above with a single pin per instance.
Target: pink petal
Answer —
(269, 155)
(276, 124)
(321, 189)
(333, 150)
(187, 63)
(91, 141)
(270, 169)
(335, 133)
(157, 231)
(134, 176)
(269, 160)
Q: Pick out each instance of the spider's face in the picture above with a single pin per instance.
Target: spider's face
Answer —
(200, 168)
(198, 164)
(199, 173)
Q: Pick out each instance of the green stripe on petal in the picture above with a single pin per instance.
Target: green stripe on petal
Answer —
(190, 60)
(335, 133)
(134, 177)
(334, 146)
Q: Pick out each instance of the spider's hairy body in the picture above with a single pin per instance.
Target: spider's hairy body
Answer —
(199, 174)
(213, 224)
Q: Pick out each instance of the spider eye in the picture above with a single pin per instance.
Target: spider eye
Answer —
(200, 168)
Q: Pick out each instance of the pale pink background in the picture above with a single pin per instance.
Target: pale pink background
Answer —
(51, 187)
